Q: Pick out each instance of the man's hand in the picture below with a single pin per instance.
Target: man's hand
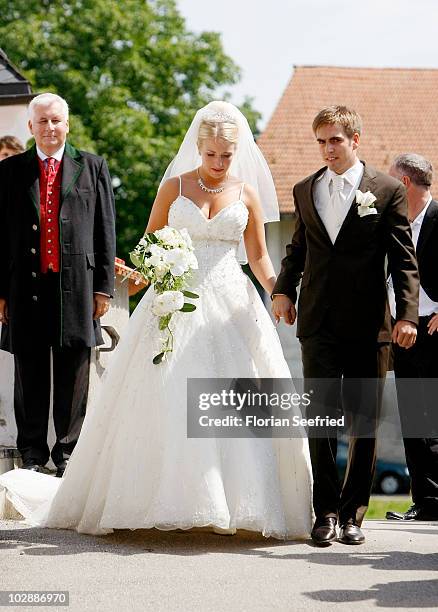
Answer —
(3, 311)
(432, 326)
(404, 334)
(101, 305)
(283, 307)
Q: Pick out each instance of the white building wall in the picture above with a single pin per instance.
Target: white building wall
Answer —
(13, 122)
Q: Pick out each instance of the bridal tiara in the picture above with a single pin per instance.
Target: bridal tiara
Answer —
(219, 117)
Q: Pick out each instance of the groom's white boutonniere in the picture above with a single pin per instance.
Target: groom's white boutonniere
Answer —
(366, 203)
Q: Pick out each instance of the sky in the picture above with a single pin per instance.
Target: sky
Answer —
(266, 38)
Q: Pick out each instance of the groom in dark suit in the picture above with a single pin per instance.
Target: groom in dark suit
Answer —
(350, 220)
(57, 247)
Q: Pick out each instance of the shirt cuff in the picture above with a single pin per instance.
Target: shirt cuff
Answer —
(274, 294)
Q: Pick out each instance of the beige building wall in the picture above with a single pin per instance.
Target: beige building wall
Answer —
(13, 122)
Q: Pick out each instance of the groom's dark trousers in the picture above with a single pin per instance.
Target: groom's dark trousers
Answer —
(344, 324)
(327, 357)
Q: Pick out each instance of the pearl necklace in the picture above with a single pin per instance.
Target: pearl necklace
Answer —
(207, 189)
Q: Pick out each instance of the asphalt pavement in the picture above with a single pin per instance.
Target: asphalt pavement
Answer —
(198, 570)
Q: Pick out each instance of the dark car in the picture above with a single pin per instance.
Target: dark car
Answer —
(391, 477)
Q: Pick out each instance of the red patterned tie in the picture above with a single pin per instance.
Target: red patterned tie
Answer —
(51, 170)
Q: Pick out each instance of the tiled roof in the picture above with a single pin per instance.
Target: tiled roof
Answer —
(399, 109)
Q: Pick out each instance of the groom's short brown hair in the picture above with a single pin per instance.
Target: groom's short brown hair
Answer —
(346, 117)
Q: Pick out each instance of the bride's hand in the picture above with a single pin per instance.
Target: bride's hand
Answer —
(283, 307)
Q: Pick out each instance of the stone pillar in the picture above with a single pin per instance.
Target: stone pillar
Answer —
(278, 235)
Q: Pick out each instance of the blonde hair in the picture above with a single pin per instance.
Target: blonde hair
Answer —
(348, 118)
(226, 130)
(12, 143)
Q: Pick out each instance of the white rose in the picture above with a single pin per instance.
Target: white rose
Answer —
(366, 203)
(167, 303)
(157, 250)
(178, 270)
(363, 211)
(160, 272)
(169, 236)
(177, 260)
(154, 260)
(366, 199)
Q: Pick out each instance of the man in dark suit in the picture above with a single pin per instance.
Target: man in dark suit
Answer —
(416, 370)
(57, 247)
(350, 217)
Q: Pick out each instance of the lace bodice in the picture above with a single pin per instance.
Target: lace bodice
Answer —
(215, 240)
(227, 225)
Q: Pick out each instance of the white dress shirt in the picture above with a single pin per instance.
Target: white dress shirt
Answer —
(322, 191)
(57, 155)
(426, 306)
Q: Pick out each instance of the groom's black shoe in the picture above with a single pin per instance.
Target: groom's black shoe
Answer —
(350, 533)
(414, 513)
(324, 531)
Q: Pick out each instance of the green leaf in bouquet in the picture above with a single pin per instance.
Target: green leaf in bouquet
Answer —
(136, 259)
(159, 358)
(188, 307)
(191, 295)
(164, 322)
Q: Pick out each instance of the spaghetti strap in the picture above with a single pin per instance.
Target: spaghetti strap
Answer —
(241, 191)
(180, 185)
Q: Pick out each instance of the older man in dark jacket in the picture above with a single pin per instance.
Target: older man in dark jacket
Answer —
(57, 248)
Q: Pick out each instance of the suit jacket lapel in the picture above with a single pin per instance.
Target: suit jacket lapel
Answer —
(72, 166)
(430, 218)
(33, 174)
(311, 204)
(366, 184)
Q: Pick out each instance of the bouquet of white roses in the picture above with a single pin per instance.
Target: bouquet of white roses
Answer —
(166, 259)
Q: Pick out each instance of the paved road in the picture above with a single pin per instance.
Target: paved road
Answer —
(191, 571)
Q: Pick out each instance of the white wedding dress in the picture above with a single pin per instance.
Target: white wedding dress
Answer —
(133, 466)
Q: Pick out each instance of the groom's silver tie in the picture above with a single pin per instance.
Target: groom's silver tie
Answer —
(337, 205)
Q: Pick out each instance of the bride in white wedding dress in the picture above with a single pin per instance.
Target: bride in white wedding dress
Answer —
(133, 466)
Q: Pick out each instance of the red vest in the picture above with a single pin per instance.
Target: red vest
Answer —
(50, 190)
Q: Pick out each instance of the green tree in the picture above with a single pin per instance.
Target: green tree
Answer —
(133, 76)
